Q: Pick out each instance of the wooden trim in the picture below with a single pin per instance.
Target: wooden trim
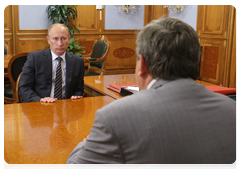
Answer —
(18, 98)
(230, 46)
(8, 34)
(153, 12)
(148, 15)
(232, 72)
(14, 25)
(213, 38)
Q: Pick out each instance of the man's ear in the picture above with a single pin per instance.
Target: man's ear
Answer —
(47, 39)
(143, 69)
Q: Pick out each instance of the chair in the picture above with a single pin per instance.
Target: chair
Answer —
(97, 57)
(14, 69)
(6, 79)
(5, 50)
(18, 98)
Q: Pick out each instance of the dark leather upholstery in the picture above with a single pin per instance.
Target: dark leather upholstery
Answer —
(97, 57)
(17, 66)
(8, 92)
(99, 49)
(91, 73)
(15, 69)
(5, 49)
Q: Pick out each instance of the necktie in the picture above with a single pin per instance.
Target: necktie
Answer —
(58, 80)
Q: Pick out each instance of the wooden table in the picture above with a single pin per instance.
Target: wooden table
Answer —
(206, 83)
(97, 85)
(41, 133)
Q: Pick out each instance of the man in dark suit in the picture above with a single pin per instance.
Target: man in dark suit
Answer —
(173, 119)
(39, 76)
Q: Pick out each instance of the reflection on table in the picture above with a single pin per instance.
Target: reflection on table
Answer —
(46, 133)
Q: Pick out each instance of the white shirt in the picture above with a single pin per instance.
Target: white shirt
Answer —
(151, 83)
(54, 67)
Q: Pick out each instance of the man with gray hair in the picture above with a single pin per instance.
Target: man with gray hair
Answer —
(52, 74)
(173, 119)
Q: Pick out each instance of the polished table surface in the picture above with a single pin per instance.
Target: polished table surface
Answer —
(41, 133)
(99, 84)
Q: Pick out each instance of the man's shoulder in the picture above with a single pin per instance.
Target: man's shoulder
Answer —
(39, 51)
(128, 102)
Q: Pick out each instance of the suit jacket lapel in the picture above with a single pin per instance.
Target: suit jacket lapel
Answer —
(47, 62)
(69, 72)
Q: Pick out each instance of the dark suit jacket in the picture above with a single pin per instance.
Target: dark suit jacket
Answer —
(36, 78)
(173, 122)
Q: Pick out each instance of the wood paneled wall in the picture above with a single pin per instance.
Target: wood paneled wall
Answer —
(232, 70)
(21, 40)
(216, 29)
(122, 54)
(8, 29)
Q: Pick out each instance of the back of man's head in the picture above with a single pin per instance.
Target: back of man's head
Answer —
(170, 48)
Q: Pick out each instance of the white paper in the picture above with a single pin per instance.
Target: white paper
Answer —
(133, 88)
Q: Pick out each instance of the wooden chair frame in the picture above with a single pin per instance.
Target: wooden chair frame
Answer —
(18, 98)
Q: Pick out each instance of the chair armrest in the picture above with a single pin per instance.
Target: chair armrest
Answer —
(92, 59)
(87, 55)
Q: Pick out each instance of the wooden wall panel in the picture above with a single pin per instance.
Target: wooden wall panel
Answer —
(213, 20)
(232, 70)
(122, 52)
(27, 44)
(8, 29)
(8, 43)
(153, 12)
(8, 19)
(215, 27)
(212, 60)
(88, 19)
(26, 40)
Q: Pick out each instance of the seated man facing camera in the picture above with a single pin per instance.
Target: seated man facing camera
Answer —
(53, 73)
(173, 119)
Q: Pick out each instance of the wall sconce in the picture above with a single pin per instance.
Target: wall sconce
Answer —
(127, 8)
(175, 8)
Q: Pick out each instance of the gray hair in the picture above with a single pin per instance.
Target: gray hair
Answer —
(170, 48)
(57, 24)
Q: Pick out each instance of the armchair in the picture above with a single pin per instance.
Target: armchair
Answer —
(97, 57)
(14, 69)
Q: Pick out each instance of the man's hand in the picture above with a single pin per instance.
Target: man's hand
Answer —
(48, 100)
(76, 97)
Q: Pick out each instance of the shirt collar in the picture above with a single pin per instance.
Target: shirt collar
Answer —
(151, 83)
(54, 56)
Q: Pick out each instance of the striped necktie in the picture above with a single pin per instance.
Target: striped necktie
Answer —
(58, 80)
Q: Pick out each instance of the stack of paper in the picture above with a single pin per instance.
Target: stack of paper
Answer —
(129, 87)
